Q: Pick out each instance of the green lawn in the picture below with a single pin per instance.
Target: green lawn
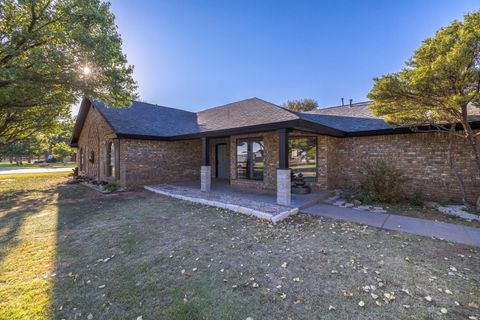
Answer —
(67, 252)
(6, 165)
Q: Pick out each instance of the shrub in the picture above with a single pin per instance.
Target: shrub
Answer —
(381, 182)
(416, 199)
(110, 187)
(364, 197)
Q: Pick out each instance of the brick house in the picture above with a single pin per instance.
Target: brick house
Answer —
(255, 144)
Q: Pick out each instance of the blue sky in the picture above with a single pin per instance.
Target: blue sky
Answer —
(199, 54)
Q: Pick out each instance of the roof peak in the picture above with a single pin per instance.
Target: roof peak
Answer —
(157, 105)
(239, 102)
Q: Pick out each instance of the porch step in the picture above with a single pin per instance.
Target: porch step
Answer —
(323, 196)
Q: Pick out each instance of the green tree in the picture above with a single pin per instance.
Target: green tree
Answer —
(301, 105)
(31, 146)
(440, 86)
(61, 150)
(51, 54)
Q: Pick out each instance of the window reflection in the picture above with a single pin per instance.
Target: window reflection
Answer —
(250, 159)
(303, 156)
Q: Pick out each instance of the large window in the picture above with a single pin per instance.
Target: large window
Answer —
(250, 159)
(110, 159)
(303, 156)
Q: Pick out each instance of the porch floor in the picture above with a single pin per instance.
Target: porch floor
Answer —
(260, 203)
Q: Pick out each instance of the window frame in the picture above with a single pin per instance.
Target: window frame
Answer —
(250, 160)
(110, 159)
(316, 154)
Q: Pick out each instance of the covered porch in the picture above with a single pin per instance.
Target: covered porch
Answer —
(263, 161)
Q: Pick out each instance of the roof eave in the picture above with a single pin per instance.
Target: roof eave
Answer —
(400, 130)
(296, 123)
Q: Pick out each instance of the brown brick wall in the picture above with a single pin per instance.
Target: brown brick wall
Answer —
(423, 157)
(150, 161)
(95, 135)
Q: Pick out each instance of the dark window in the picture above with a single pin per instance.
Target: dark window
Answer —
(91, 158)
(83, 156)
(110, 160)
(303, 156)
(250, 159)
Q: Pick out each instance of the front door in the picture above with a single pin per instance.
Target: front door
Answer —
(221, 157)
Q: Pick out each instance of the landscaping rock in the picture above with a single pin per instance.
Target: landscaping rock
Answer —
(459, 211)
(349, 205)
(431, 205)
(379, 210)
(363, 207)
(357, 202)
(339, 203)
(334, 198)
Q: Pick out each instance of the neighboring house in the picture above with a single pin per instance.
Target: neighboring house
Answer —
(252, 143)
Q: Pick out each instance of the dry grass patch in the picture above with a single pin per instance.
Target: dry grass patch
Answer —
(140, 254)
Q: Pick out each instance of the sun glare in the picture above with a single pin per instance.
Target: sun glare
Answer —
(86, 70)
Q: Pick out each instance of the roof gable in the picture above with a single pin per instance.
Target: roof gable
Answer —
(245, 113)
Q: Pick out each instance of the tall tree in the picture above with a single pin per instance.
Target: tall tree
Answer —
(301, 105)
(439, 86)
(52, 53)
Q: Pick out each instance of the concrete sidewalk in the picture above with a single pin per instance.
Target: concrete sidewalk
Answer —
(35, 170)
(447, 231)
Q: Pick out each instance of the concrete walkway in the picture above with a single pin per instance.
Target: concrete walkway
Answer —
(34, 170)
(447, 231)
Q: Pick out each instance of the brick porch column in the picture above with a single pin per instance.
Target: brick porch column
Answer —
(206, 169)
(283, 172)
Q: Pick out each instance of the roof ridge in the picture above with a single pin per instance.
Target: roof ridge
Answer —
(227, 104)
(243, 100)
(283, 108)
(157, 105)
(346, 105)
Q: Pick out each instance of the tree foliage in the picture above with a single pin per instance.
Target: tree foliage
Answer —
(440, 85)
(301, 105)
(52, 53)
(31, 146)
(61, 150)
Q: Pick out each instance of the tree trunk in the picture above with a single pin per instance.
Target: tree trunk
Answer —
(451, 163)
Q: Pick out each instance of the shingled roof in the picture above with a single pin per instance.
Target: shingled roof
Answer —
(245, 113)
(355, 118)
(148, 121)
(145, 119)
